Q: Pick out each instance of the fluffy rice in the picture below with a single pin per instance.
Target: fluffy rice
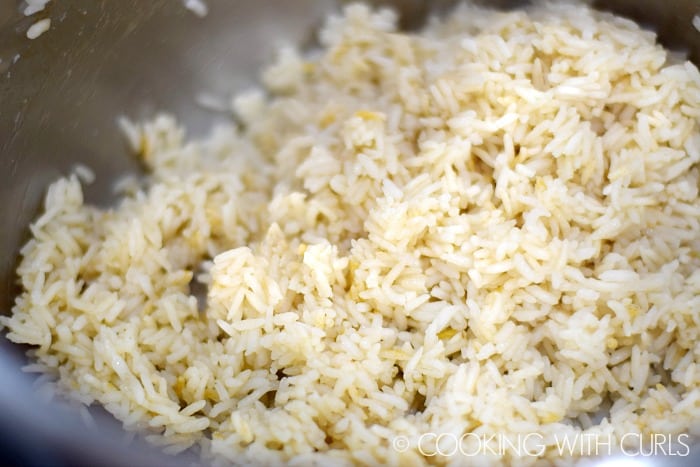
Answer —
(488, 227)
(38, 28)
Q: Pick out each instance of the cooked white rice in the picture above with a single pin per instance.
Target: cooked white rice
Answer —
(489, 227)
(38, 28)
(198, 7)
(32, 7)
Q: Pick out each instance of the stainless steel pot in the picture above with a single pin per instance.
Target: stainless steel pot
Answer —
(60, 95)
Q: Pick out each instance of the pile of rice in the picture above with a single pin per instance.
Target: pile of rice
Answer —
(491, 226)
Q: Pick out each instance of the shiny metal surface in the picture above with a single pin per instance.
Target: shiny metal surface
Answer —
(60, 95)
